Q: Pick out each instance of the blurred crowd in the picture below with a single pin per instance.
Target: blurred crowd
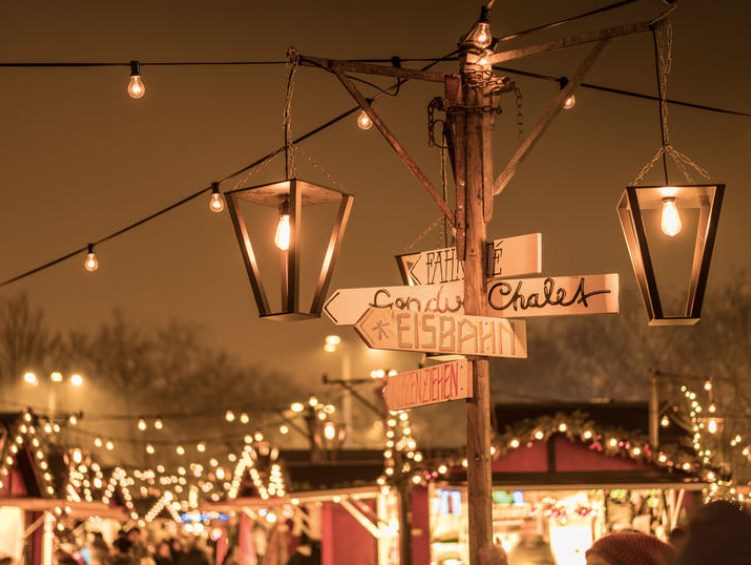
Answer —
(129, 548)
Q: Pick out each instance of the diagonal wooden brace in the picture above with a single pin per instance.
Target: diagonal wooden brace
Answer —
(391, 139)
(550, 114)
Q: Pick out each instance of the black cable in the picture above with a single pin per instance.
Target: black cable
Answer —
(622, 92)
(565, 20)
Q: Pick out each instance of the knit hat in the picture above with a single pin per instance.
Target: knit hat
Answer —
(632, 548)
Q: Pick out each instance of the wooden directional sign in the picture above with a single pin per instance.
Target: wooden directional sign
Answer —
(507, 298)
(553, 296)
(507, 257)
(432, 332)
(429, 385)
(345, 306)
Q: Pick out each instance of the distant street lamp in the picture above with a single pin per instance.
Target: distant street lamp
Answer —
(671, 201)
(288, 198)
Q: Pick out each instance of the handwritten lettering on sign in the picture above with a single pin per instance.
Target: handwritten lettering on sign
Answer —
(438, 383)
(507, 257)
(345, 306)
(384, 328)
(588, 294)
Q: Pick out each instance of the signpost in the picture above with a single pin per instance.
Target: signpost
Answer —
(507, 257)
(506, 298)
(432, 332)
(429, 385)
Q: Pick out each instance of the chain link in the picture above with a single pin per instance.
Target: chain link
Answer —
(519, 113)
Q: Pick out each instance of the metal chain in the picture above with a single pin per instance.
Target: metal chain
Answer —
(320, 168)
(422, 235)
(664, 41)
(519, 113)
(292, 62)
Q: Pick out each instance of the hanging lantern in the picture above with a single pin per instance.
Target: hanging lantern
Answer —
(671, 202)
(288, 198)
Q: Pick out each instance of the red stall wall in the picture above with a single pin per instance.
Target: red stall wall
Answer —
(344, 540)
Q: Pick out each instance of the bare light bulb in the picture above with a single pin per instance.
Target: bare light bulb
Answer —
(712, 426)
(216, 202)
(281, 237)
(329, 430)
(136, 88)
(364, 121)
(671, 221)
(569, 103)
(91, 263)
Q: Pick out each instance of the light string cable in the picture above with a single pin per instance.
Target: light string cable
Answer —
(243, 171)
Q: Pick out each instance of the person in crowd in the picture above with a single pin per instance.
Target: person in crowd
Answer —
(720, 532)
(305, 553)
(138, 548)
(121, 554)
(195, 555)
(163, 554)
(630, 548)
(177, 550)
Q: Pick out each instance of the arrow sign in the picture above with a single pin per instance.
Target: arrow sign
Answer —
(553, 296)
(432, 332)
(346, 305)
(507, 257)
(507, 298)
(438, 383)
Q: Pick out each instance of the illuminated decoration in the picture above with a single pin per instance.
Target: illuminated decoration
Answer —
(136, 88)
(289, 197)
(30, 378)
(26, 433)
(401, 458)
(216, 201)
(91, 263)
(633, 211)
(363, 121)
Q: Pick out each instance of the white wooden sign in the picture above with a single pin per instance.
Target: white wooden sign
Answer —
(507, 257)
(507, 298)
(345, 306)
(432, 332)
(429, 385)
(553, 296)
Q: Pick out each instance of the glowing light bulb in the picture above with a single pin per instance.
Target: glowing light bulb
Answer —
(329, 430)
(665, 422)
(158, 424)
(150, 449)
(363, 121)
(229, 416)
(56, 377)
(76, 380)
(712, 426)
(283, 429)
(708, 385)
(282, 235)
(136, 88)
(569, 103)
(671, 221)
(141, 424)
(216, 202)
(91, 263)
(30, 378)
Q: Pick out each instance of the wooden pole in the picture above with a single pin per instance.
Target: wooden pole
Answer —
(477, 160)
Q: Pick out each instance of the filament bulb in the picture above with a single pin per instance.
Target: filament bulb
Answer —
(216, 202)
(364, 121)
(136, 88)
(570, 102)
(282, 235)
(91, 263)
(671, 221)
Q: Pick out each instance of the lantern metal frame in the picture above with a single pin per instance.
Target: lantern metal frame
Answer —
(298, 194)
(635, 200)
